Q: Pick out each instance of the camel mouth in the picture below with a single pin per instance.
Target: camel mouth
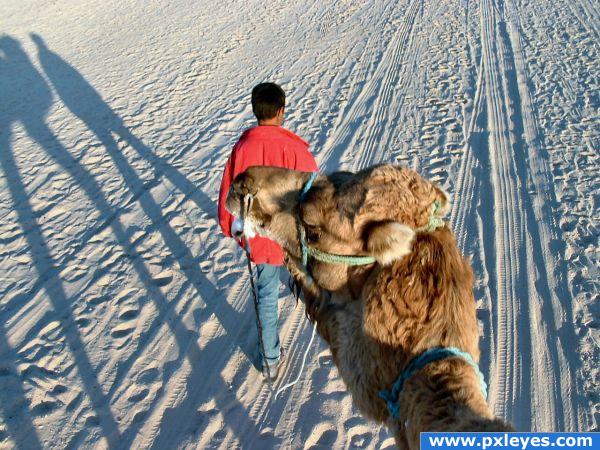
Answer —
(247, 227)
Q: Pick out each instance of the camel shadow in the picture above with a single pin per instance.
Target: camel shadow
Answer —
(28, 98)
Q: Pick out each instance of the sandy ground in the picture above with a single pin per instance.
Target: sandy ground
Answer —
(125, 317)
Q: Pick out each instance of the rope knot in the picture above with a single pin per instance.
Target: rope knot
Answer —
(435, 220)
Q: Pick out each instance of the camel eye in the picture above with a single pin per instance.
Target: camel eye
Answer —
(309, 215)
(313, 233)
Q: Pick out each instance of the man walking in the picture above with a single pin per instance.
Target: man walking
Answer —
(268, 144)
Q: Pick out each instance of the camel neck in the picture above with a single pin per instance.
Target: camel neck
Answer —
(445, 396)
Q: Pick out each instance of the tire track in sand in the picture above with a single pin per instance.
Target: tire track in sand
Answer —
(392, 73)
(379, 90)
(525, 374)
(554, 331)
(509, 383)
(526, 313)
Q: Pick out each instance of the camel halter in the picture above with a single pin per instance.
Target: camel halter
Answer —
(435, 221)
(319, 255)
(392, 395)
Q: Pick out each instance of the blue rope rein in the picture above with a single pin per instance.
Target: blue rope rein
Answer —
(308, 185)
(392, 395)
(302, 232)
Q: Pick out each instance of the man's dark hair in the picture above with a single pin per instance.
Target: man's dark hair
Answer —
(267, 100)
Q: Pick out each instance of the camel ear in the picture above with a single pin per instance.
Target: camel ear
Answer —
(390, 241)
(444, 199)
(245, 184)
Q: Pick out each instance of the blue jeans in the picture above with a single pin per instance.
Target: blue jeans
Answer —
(268, 294)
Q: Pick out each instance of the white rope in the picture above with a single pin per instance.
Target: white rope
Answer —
(290, 384)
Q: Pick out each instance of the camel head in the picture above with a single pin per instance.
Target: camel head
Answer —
(415, 293)
(374, 212)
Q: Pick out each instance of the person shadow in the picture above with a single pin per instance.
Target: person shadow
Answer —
(87, 104)
(28, 99)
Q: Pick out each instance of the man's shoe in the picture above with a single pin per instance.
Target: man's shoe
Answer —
(273, 369)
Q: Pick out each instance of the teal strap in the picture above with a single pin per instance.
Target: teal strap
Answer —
(331, 258)
(435, 221)
(307, 186)
(340, 259)
(433, 354)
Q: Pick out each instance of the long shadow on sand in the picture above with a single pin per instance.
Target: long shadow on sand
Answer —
(12, 398)
(87, 104)
(28, 98)
(83, 100)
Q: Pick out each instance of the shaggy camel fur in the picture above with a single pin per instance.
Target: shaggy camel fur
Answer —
(376, 318)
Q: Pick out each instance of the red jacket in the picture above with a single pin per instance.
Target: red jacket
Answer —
(264, 145)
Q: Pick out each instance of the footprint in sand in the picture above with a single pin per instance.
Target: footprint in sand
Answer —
(122, 330)
(360, 436)
(129, 313)
(148, 376)
(325, 358)
(125, 295)
(44, 407)
(73, 272)
(388, 444)
(163, 278)
(322, 436)
(136, 393)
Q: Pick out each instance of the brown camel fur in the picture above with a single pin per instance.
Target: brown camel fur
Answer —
(376, 318)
